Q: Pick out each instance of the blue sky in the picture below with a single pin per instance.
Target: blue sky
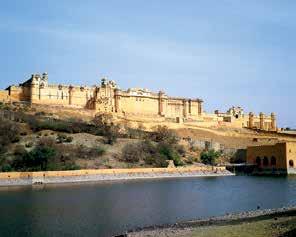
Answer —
(227, 52)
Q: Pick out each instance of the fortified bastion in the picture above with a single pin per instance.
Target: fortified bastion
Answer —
(108, 97)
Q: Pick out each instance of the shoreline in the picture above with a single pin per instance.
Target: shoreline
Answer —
(224, 220)
(82, 176)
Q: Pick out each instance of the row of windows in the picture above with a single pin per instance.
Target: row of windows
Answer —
(139, 99)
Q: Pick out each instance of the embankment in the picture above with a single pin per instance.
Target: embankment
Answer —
(197, 227)
(47, 177)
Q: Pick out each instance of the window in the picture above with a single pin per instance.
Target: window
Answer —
(265, 161)
(291, 163)
(258, 161)
(273, 160)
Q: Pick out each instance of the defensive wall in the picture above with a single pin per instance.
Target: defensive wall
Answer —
(133, 103)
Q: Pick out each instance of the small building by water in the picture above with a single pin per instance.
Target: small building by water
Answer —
(273, 159)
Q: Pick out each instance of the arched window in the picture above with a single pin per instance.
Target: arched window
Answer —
(291, 163)
(273, 160)
(258, 161)
(265, 161)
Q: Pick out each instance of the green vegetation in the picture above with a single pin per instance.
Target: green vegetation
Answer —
(63, 138)
(9, 133)
(209, 157)
(26, 146)
(35, 160)
(152, 153)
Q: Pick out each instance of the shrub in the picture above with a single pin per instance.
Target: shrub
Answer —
(106, 128)
(6, 168)
(38, 158)
(85, 152)
(100, 150)
(209, 157)
(61, 138)
(163, 134)
(132, 153)
(9, 132)
(169, 151)
(23, 133)
(111, 133)
(29, 144)
(147, 151)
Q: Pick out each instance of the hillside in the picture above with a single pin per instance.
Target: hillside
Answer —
(57, 138)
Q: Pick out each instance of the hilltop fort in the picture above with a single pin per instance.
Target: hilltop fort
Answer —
(134, 102)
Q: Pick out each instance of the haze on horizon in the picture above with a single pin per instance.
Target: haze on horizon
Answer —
(226, 52)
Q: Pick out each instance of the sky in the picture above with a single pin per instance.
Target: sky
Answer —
(227, 52)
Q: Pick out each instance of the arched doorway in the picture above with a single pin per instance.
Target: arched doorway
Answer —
(265, 161)
(258, 161)
(273, 161)
(291, 163)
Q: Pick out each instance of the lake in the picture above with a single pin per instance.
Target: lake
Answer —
(106, 209)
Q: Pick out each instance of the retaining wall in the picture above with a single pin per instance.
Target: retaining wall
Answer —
(29, 178)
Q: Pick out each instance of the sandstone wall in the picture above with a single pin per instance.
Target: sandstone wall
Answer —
(277, 151)
(4, 97)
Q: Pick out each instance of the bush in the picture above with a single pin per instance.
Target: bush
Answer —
(6, 168)
(100, 150)
(9, 133)
(132, 153)
(35, 160)
(151, 153)
(61, 138)
(163, 134)
(29, 144)
(209, 157)
(106, 128)
(169, 151)
(85, 152)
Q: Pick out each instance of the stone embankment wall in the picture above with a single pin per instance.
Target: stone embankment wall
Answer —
(46, 177)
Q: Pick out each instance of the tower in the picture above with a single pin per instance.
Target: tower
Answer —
(251, 120)
(261, 118)
(273, 122)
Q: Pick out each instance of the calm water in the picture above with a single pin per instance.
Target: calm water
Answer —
(103, 209)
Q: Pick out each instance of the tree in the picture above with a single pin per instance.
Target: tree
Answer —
(35, 160)
(209, 157)
(107, 128)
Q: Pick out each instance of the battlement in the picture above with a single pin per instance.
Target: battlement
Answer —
(108, 97)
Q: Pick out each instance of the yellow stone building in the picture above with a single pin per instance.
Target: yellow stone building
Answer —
(278, 158)
(107, 97)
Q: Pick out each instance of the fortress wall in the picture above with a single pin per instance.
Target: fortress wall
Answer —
(139, 105)
(53, 95)
(18, 93)
(81, 97)
(173, 108)
(194, 108)
(4, 96)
